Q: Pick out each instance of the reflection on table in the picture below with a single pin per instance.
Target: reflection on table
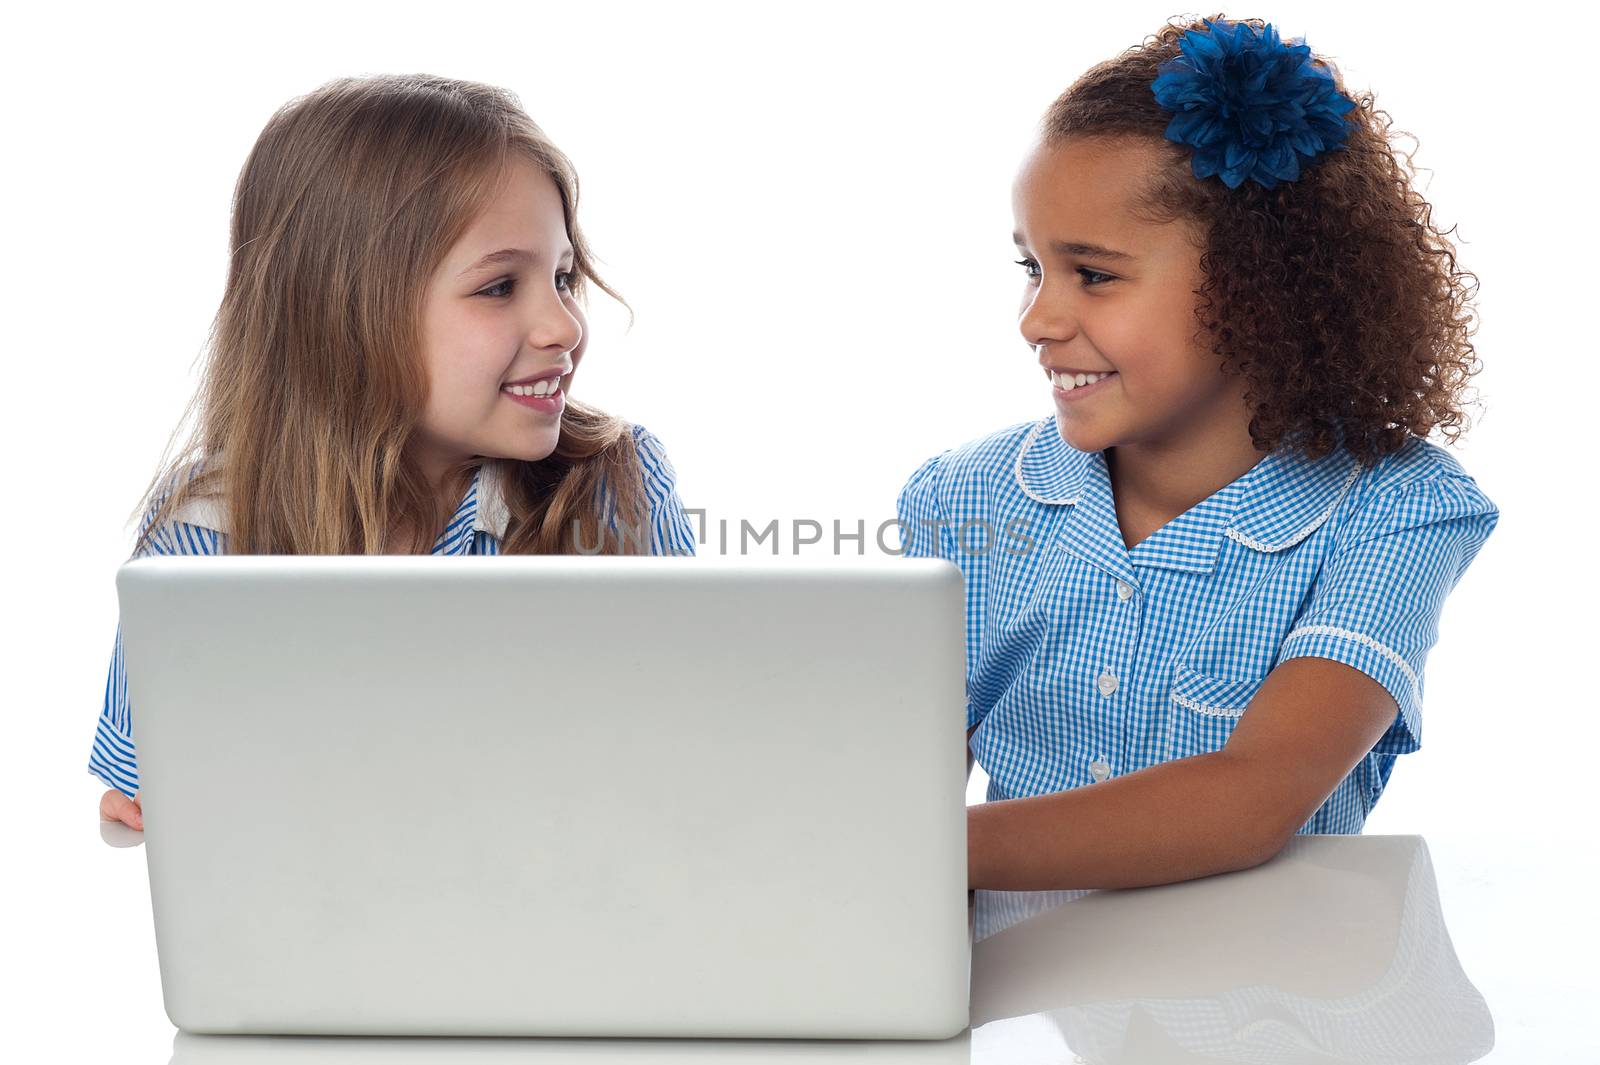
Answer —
(1335, 951)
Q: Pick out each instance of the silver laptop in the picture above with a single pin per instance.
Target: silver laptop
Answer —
(553, 795)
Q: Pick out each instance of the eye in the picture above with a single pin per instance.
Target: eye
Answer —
(565, 279)
(1093, 277)
(1030, 268)
(508, 284)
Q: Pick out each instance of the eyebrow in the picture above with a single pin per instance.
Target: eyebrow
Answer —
(507, 255)
(1072, 247)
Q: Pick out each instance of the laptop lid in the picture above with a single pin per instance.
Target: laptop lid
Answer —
(553, 795)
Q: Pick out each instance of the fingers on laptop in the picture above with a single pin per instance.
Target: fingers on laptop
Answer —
(115, 806)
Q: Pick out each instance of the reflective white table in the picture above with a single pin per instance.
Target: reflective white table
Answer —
(1335, 951)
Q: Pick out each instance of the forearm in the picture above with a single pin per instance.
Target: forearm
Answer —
(1193, 817)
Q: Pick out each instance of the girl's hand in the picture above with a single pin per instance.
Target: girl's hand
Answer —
(115, 806)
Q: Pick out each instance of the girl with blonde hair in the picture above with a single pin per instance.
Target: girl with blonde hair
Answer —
(391, 366)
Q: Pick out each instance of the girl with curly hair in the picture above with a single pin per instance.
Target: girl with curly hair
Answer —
(1201, 596)
(391, 365)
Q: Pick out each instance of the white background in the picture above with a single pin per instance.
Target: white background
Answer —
(808, 208)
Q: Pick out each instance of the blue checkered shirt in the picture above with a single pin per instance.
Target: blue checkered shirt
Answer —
(476, 528)
(1086, 659)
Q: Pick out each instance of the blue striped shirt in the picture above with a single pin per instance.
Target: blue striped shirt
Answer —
(476, 528)
(1086, 659)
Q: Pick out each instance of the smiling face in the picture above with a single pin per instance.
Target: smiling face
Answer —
(1111, 292)
(509, 321)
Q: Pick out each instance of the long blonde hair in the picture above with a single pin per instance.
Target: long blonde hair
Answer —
(314, 382)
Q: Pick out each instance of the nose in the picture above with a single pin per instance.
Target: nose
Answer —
(554, 328)
(1046, 319)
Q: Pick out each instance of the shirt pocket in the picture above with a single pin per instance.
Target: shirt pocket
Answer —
(1204, 709)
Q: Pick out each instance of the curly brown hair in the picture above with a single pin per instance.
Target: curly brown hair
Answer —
(1334, 295)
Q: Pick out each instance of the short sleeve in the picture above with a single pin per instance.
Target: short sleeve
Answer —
(1377, 601)
(923, 532)
(112, 757)
(670, 530)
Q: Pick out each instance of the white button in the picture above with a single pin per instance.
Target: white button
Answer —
(1124, 590)
(1107, 683)
(1099, 770)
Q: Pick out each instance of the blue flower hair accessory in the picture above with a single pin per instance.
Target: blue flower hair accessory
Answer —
(1249, 105)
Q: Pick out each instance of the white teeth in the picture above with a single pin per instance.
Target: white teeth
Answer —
(1067, 382)
(546, 387)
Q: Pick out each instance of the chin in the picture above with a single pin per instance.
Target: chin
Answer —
(544, 452)
(1078, 437)
(524, 451)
